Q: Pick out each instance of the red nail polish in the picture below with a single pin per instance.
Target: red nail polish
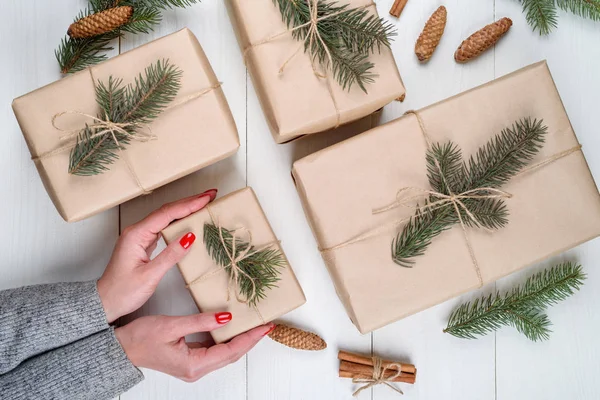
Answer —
(211, 192)
(223, 317)
(187, 240)
(270, 330)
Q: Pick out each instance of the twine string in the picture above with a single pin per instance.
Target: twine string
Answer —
(312, 35)
(102, 127)
(378, 377)
(443, 200)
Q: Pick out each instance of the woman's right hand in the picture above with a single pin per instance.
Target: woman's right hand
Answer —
(158, 342)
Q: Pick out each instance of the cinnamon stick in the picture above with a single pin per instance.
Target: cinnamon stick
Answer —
(365, 370)
(358, 359)
(353, 375)
(397, 7)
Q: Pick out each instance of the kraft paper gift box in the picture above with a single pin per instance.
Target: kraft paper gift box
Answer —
(208, 282)
(553, 208)
(296, 102)
(190, 136)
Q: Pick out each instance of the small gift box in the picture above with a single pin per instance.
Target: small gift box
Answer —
(297, 96)
(372, 239)
(239, 266)
(196, 130)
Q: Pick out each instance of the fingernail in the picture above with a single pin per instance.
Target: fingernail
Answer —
(223, 317)
(187, 240)
(210, 192)
(271, 329)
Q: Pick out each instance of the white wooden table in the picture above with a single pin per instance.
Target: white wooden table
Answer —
(39, 247)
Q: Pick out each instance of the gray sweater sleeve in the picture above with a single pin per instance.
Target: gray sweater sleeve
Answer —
(94, 368)
(35, 319)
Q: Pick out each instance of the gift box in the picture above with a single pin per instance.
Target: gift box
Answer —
(210, 283)
(551, 208)
(197, 132)
(296, 102)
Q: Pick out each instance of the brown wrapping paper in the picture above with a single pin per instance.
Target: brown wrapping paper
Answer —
(236, 210)
(296, 102)
(189, 137)
(553, 208)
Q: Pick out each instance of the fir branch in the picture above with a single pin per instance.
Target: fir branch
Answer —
(134, 104)
(164, 4)
(584, 8)
(540, 15)
(349, 37)
(494, 164)
(263, 268)
(143, 20)
(521, 307)
(77, 54)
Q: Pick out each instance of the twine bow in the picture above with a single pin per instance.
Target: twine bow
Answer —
(455, 199)
(234, 259)
(378, 377)
(312, 35)
(106, 126)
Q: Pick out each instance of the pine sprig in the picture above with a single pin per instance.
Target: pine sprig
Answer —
(542, 15)
(350, 36)
(134, 104)
(262, 267)
(77, 54)
(492, 166)
(522, 307)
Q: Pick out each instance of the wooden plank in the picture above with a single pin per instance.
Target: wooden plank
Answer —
(38, 246)
(447, 367)
(527, 370)
(210, 23)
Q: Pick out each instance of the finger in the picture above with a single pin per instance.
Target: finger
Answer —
(161, 218)
(186, 325)
(223, 354)
(171, 255)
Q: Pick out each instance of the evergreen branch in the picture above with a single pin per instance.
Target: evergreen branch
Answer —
(521, 307)
(164, 4)
(494, 164)
(584, 8)
(348, 37)
(135, 104)
(143, 20)
(77, 54)
(540, 15)
(263, 267)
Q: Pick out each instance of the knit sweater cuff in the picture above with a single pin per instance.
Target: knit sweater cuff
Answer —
(92, 368)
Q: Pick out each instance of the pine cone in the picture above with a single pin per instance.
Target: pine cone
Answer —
(431, 35)
(297, 338)
(482, 40)
(100, 22)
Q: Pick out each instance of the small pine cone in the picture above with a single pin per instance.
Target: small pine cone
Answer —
(297, 338)
(100, 22)
(482, 40)
(431, 35)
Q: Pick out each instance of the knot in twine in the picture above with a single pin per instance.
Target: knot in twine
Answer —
(106, 126)
(444, 199)
(313, 35)
(234, 259)
(378, 377)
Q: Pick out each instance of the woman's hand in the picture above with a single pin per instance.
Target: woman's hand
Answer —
(158, 343)
(131, 277)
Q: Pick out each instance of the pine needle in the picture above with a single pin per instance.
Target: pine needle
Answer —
(135, 104)
(350, 36)
(541, 15)
(77, 54)
(584, 8)
(522, 307)
(492, 166)
(262, 267)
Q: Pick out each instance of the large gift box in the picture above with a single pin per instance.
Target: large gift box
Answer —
(197, 132)
(211, 284)
(345, 190)
(296, 102)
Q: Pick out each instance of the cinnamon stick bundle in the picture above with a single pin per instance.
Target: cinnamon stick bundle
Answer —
(357, 366)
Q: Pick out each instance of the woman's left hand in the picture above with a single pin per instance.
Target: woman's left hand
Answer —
(131, 277)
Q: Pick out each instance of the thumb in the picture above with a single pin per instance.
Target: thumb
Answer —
(172, 254)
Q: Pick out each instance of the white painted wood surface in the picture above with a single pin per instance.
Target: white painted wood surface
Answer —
(40, 247)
